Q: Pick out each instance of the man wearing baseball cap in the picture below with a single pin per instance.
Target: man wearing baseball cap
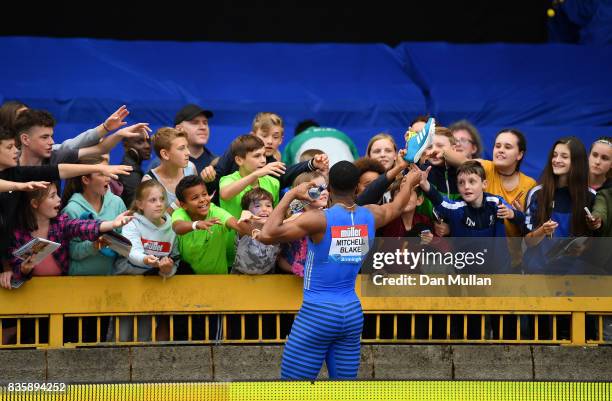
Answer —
(193, 121)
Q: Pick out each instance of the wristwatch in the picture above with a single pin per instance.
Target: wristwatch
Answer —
(194, 225)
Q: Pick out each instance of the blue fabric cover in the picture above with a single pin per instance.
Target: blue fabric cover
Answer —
(547, 91)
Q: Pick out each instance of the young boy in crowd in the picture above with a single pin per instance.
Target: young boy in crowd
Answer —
(478, 213)
(269, 128)
(135, 151)
(253, 172)
(441, 176)
(201, 227)
(253, 257)
(34, 134)
(171, 147)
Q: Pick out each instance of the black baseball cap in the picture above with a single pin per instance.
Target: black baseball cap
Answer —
(190, 112)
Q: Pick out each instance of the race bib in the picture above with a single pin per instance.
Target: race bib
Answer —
(349, 244)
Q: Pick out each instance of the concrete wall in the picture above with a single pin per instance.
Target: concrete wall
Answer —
(238, 363)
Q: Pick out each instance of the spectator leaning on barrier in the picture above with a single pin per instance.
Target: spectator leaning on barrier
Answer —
(201, 227)
(253, 257)
(89, 197)
(253, 172)
(9, 202)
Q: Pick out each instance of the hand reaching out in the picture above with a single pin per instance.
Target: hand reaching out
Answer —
(321, 162)
(115, 120)
(207, 224)
(275, 169)
(32, 185)
(135, 131)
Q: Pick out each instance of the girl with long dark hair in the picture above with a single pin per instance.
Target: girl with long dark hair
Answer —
(555, 207)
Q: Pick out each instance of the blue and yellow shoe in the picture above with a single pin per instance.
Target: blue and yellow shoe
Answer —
(416, 144)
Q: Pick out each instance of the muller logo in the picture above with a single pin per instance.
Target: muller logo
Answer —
(351, 232)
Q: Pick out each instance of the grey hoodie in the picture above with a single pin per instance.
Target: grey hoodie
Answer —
(147, 239)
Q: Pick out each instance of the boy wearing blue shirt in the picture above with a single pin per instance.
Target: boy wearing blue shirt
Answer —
(477, 213)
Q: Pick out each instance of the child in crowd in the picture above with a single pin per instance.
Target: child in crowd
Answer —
(293, 254)
(253, 257)
(40, 218)
(477, 214)
(504, 178)
(442, 176)
(201, 227)
(154, 248)
(89, 197)
(253, 172)
(269, 128)
(382, 148)
(369, 170)
(10, 201)
(154, 252)
(410, 223)
(171, 147)
(374, 180)
(556, 207)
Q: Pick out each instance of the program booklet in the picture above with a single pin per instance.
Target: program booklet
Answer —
(118, 243)
(38, 247)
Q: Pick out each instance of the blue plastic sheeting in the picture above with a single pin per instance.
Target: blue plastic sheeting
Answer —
(547, 91)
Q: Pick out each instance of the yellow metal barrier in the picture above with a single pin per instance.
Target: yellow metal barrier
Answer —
(85, 311)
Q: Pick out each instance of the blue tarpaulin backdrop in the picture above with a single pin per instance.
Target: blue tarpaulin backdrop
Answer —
(547, 91)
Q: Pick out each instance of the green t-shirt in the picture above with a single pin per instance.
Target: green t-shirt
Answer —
(233, 206)
(204, 250)
(266, 182)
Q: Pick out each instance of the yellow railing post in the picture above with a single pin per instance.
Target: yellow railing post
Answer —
(56, 331)
(578, 328)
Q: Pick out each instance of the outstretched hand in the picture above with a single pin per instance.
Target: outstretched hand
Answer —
(135, 131)
(321, 162)
(115, 120)
(32, 185)
(207, 224)
(275, 169)
(115, 171)
(122, 219)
